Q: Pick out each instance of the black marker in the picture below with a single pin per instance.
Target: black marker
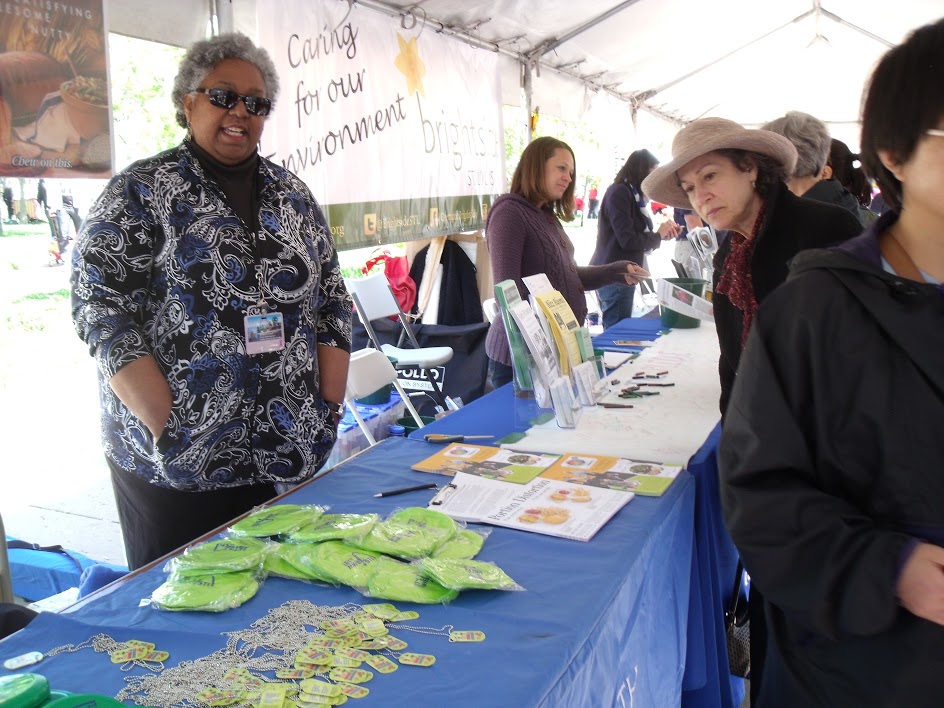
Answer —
(394, 492)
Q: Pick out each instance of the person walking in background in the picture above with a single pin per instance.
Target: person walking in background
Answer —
(835, 503)
(810, 137)
(525, 237)
(625, 232)
(182, 258)
(734, 179)
(594, 203)
(8, 200)
(41, 197)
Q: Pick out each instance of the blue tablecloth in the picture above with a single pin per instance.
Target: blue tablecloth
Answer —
(707, 682)
(600, 623)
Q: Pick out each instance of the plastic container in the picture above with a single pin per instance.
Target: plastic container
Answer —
(396, 431)
(672, 319)
(410, 425)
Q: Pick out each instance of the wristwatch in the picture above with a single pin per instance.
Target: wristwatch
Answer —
(335, 409)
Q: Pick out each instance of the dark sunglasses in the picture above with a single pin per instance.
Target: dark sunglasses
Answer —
(224, 98)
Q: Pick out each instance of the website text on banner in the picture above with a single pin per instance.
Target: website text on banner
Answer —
(398, 132)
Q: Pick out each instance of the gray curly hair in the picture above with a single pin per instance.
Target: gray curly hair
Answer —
(203, 57)
(809, 136)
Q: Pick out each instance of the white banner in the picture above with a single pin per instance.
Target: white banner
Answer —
(397, 132)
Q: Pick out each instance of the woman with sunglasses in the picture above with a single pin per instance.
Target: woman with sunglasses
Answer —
(206, 284)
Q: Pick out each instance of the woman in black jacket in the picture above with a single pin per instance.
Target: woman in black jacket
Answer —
(625, 233)
(832, 450)
(734, 180)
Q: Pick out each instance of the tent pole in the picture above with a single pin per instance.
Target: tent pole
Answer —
(527, 89)
(224, 15)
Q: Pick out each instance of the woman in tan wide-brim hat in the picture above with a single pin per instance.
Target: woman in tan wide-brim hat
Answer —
(733, 178)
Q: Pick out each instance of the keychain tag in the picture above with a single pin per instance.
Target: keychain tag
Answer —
(325, 643)
(344, 662)
(339, 624)
(405, 616)
(350, 675)
(314, 656)
(264, 333)
(27, 659)
(417, 659)
(352, 691)
(216, 697)
(295, 674)
(384, 611)
(467, 636)
(314, 687)
(374, 627)
(396, 644)
(350, 653)
(271, 696)
(156, 656)
(381, 663)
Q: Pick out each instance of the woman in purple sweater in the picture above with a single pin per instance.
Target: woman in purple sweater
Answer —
(525, 237)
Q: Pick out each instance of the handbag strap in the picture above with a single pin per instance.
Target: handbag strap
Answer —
(16, 545)
(731, 611)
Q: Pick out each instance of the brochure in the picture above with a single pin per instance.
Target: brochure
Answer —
(488, 462)
(507, 296)
(646, 478)
(544, 505)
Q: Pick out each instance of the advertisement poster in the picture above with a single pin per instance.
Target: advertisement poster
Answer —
(397, 131)
(54, 109)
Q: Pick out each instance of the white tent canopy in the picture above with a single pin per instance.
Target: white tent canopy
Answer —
(747, 60)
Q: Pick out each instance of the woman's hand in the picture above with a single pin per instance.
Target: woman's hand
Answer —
(669, 230)
(921, 583)
(142, 387)
(635, 273)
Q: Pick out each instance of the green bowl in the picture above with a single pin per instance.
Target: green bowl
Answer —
(410, 425)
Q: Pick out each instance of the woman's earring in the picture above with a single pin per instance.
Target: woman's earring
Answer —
(189, 131)
(753, 184)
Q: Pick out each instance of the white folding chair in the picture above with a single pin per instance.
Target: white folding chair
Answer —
(6, 582)
(374, 300)
(490, 308)
(370, 370)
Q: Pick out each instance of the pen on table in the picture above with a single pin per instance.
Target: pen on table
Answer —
(418, 487)
(615, 405)
(446, 438)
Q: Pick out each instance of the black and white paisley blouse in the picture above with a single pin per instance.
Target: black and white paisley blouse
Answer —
(164, 266)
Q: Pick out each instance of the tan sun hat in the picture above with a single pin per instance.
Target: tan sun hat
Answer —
(703, 136)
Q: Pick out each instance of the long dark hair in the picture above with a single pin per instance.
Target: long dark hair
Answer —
(637, 167)
(841, 160)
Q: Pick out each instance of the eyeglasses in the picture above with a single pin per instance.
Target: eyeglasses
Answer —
(934, 132)
(224, 98)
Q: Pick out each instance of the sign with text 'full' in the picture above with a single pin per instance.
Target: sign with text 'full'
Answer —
(397, 132)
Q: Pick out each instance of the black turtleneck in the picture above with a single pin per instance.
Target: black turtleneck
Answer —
(238, 183)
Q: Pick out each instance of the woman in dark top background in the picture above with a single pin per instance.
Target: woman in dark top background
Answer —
(625, 233)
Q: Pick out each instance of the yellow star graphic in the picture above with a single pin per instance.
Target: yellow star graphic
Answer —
(410, 65)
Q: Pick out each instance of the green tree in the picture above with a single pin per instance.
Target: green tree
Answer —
(142, 76)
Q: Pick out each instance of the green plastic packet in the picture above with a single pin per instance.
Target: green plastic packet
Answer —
(394, 580)
(207, 593)
(297, 562)
(465, 545)
(413, 532)
(278, 562)
(222, 555)
(278, 520)
(467, 574)
(341, 563)
(330, 527)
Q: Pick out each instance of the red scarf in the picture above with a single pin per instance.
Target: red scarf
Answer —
(736, 281)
